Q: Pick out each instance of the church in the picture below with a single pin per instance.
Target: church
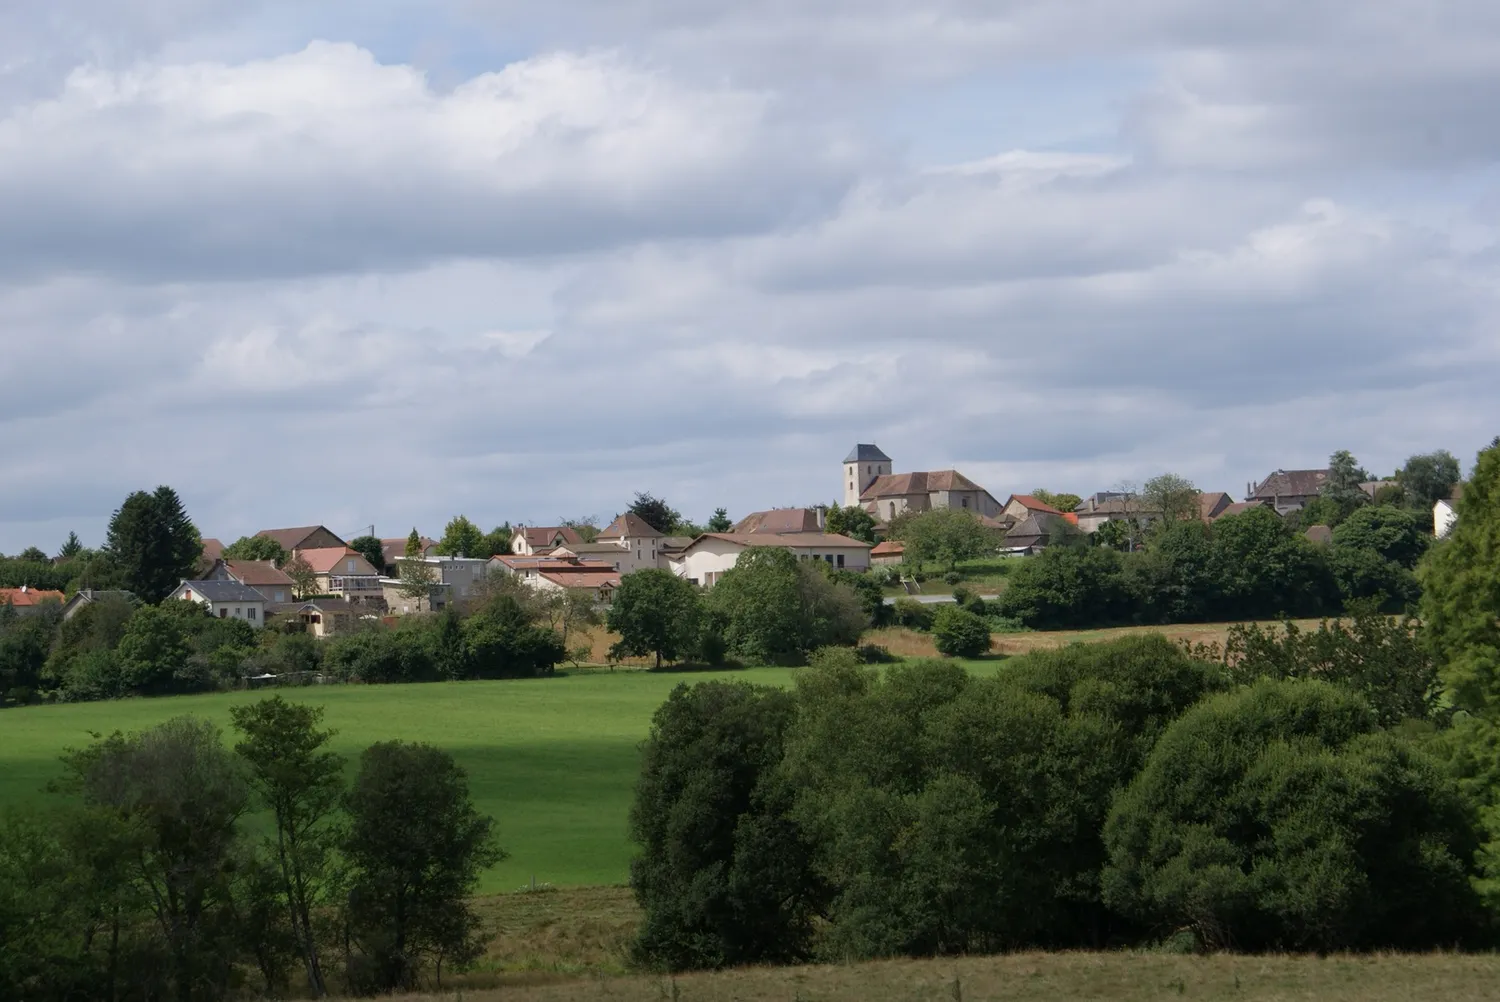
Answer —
(870, 484)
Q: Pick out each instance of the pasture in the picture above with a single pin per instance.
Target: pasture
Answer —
(553, 760)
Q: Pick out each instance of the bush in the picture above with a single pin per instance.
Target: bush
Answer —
(1280, 818)
(959, 633)
(953, 577)
(723, 875)
(913, 615)
(775, 609)
(1068, 587)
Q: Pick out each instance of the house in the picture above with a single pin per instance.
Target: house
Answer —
(321, 617)
(1018, 507)
(396, 594)
(887, 552)
(576, 575)
(783, 520)
(88, 596)
(706, 559)
(28, 601)
(460, 576)
(1034, 532)
(1288, 490)
(390, 549)
(343, 573)
(1104, 506)
(525, 542)
(1240, 507)
(639, 541)
(262, 575)
(213, 552)
(225, 599)
(1322, 535)
(1211, 504)
(1445, 512)
(307, 537)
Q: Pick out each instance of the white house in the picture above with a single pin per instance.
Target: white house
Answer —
(640, 544)
(225, 599)
(1445, 513)
(707, 558)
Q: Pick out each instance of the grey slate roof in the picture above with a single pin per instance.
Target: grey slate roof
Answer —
(864, 453)
(223, 591)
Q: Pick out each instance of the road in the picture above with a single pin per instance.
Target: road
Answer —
(924, 599)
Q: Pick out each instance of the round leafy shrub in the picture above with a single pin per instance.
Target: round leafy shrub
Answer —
(1280, 817)
(913, 615)
(957, 632)
(953, 577)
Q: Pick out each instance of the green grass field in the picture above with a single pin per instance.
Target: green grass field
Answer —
(553, 760)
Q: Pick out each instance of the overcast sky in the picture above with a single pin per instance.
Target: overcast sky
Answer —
(384, 261)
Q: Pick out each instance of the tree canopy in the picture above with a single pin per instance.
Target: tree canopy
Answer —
(655, 512)
(656, 613)
(461, 538)
(257, 548)
(1428, 478)
(853, 521)
(943, 535)
(154, 544)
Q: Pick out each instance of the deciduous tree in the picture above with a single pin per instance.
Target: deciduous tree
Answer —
(301, 783)
(656, 613)
(461, 538)
(853, 521)
(372, 549)
(304, 578)
(1174, 498)
(1428, 478)
(415, 847)
(1060, 501)
(943, 535)
(257, 548)
(655, 512)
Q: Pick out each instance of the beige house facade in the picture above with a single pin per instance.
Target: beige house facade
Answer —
(709, 556)
(344, 573)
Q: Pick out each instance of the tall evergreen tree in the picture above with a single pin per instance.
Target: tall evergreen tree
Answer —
(1461, 592)
(71, 547)
(153, 542)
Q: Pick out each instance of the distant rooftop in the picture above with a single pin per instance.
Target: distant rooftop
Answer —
(867, 453)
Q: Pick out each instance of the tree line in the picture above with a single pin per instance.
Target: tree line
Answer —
(1328, 789)
(144, 881)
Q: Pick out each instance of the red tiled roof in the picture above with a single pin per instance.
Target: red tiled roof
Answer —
(787, 539)
(628, 525)
(257, 573)
(1211, 504)
(1032, 504)
(328, 560)
(1291, 483)
(27, 597)
(1071, 517)
(1239, 507)
(779, 520)
(212, 549)
(589, 578)
(542, 535)
(291, 539)
(897, 484)
(888, 547)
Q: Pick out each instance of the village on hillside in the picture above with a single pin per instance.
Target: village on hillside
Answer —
(329, 584)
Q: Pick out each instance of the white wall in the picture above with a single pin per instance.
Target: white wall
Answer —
(1443, 518)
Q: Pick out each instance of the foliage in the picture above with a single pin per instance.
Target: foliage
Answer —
(417, 576)
(943, 535)
(413, 548)
(1428, 478)
(870, 593)
(1394, 533)
(257, 548)
(71, 547)
(775, 609)
(1068, 587)
(957, 632)
(720, 521)
(461, 538)
(655, 512)
(415, 847)
(153, 543)
(301, 784)
(1382, 658)
(1060, 501)
(170, 799)
(1115, 535)
(913, 615)
(43, 576)
(656, 613)
(587, 528)
(1280, 818)
(496, 542)
(304, 578)
(372, 549)
(723, 874)
(24, 643)
(153, 652)
(503, 641)
(1262, 568)
(1342, 488)
(1174, 498)
(1461, 592)
(853, 521)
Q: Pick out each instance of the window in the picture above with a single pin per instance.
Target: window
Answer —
(966, 502)
(840, 560)
(224, 612)
(351, 567)
(250, 613)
